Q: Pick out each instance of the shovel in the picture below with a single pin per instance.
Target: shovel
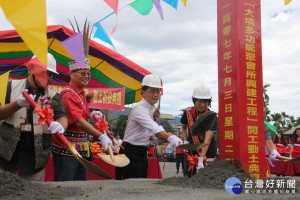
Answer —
(90, 166)
(192, 147)
(119, 160)
(287, 159)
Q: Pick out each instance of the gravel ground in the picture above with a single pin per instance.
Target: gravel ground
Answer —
(173, 186)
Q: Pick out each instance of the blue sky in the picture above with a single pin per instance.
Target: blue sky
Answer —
(182, 49)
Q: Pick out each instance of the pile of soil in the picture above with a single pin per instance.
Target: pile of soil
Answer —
(213, 176)
(12, 187)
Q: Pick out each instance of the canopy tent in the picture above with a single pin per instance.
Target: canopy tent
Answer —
(108, 68)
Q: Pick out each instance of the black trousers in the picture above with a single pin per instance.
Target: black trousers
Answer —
(138, 166)
(179, 159)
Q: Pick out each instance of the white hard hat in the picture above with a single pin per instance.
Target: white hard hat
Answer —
(152, 80)
(201, 92)
(51, 63)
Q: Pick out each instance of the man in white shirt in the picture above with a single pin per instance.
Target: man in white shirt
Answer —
(140, 126)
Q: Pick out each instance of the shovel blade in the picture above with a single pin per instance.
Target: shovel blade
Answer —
(297, 159)
(93, 168)
(192, 147)
(119, 160)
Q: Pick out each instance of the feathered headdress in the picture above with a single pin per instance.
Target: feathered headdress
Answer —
(86, 34)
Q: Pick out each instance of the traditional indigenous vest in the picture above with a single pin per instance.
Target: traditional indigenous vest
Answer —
(191, 117)
(79, 140)
(9, 140)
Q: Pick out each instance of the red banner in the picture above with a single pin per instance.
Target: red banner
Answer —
(108, 98)
(241, 117)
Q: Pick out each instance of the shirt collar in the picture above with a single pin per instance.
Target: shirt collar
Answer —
(76, 88)
(148, 105)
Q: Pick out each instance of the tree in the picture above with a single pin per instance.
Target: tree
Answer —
(166, 125)
(266, 103)
(118, 127)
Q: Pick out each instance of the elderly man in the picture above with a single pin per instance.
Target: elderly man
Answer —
(66, 167)
(140, 127)
(24, 145)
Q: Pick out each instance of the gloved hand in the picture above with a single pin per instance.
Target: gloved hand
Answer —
(174, 140)
(186, 142)
(200, 163)
(274, 154)
(97, 114)
(56, 127)
(104, 139)
(22, 102)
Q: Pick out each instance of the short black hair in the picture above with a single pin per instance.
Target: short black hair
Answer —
(145, 87)
(206, 100)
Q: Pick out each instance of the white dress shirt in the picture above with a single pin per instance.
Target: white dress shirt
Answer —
(140, 125)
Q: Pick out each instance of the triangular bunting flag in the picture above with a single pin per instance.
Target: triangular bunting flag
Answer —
(172, 3)
(3, 87)
(143, 7)
(39, 70)
(74, 46)
(114, 5)
(158, 7)
(286, 2)
(29, 19)
(102, 35)
(184, 2)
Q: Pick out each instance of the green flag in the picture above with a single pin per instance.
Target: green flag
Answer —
(271, 127)
(144, 7)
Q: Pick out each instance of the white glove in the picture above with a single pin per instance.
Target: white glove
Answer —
(174, 140)
(56, 127)
(22, 102)
(104, 139)
(274, 154)
(97, 114)
(186, 142)
(200, 163)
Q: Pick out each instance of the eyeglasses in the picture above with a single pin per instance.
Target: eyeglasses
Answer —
(84, 73)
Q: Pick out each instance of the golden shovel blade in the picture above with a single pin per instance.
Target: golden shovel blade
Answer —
(119, 160)
(192, 147)
(90, 166)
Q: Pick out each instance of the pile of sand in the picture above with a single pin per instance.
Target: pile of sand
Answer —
(213, 176)
(12, 187)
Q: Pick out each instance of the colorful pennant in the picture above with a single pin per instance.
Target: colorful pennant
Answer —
(172, 3)
(114, 5)
(158, 7)
(29, 19)
(102, 35)
(74, 46)
(143, 7)
(286, 2)
(39, 70)
(184, 2)
(3, 87)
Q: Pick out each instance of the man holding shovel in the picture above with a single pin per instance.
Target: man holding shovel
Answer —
(24, 145)
(202, 100)
(140, 127)
(67, 167)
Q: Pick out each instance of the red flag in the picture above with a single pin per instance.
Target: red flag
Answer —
(39, 70)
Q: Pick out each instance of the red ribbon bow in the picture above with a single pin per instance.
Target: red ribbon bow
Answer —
(101, 126)
(44, 113)
(193, 160)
